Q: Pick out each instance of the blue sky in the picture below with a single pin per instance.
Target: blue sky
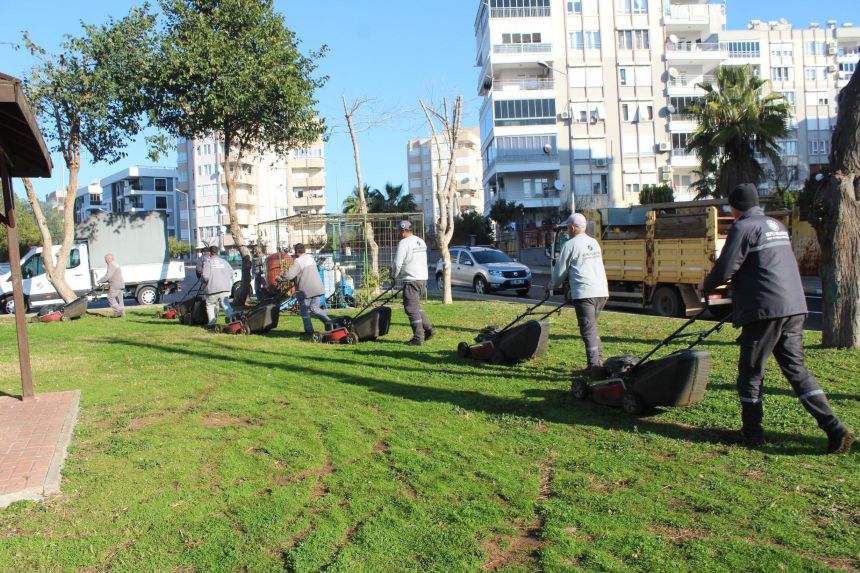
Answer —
(390, 52)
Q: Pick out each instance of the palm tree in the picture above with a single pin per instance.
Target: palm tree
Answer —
(351, 204)
(392, 200)
(736, 120)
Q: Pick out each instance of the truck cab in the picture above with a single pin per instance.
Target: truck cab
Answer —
(38, 290)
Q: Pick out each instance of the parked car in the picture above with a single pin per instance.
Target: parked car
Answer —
(485, 270)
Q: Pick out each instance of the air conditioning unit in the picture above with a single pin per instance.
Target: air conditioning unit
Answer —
(564, 115)
(600, 162)
(665, 174)
(664, 146)
(831, 69)
(832, 49)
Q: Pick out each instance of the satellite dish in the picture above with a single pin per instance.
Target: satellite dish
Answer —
(547, 148)
(558, 185)
(673, 38)
(487, 83)
(673, 73)
(670, 108)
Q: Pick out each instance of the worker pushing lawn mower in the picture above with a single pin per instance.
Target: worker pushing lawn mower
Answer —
(369, 323)
(309, 288)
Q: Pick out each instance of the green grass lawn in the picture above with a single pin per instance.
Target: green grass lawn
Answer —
(203, 452)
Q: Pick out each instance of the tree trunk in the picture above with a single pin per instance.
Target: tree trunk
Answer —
(55, 269)
(836, 218)
(369, 237)
(445, 194)
(230, 176)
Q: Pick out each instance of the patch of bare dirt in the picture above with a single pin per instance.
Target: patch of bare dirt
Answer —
(508, 550)
(678, 534)
(222, 420)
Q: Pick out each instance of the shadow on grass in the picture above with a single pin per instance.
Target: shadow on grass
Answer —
(783, 391)
(554, 406)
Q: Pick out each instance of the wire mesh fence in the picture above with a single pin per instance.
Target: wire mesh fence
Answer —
(341, 240)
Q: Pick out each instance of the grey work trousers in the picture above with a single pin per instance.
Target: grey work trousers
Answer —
(412, 293)
(587, 312)
(782, 337)
(310, 306)
(116, 302)
(213, 301)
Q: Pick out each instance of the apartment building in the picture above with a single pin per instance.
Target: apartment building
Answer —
(137, 190)
(427, 160)
(585, 101)
(268, 187)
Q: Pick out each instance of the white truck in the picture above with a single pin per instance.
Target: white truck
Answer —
(139, 244)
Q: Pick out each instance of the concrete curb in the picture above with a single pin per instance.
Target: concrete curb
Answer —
(52, 480)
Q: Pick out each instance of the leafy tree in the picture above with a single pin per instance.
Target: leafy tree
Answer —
(469, 224)
(28, 231)
(176, 248)
(232, 68)
(736, 120)
(505, 212)
(651, 194)
(86, 98)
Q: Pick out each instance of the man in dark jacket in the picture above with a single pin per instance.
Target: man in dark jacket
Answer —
(770, 307)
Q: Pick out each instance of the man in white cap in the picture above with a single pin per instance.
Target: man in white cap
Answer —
(581, 263)
(410, 266)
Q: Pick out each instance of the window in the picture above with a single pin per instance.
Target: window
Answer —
(534, 38)
(631, 6)
(632, 189)
(525, 146)
(781, 49)
(207, 149)
(818, 147)
(788, 147)
(95, 198)
(790, 97)
(135, 202)
(588, 39)
(648, 115)
(74, 259)
(742, 49)
(781, 74)
(583, 116)
(574, 7)
(161, 184)
(679, 140)
(524, 112)
(625, 112)
(535, 187)
(33, 267)
(161, 203)
(814, 73)
(519, 8)
(816, 48)
(623, 75)
(847, 67)
(414, 168)
(633, 39)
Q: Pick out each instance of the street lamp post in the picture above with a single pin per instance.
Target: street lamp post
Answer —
(546, 66)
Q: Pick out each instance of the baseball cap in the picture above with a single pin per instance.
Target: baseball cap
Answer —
(406, 225)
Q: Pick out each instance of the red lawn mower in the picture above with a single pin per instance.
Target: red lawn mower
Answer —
(364, 325)
(63, 312)
(639, 384)
(258, 320)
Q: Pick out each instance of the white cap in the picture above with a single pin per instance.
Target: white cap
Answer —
(576, 220)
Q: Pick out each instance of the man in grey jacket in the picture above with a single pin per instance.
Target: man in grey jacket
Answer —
(309, 287)
(217, 278)
(410, 266)
(770, 307)
(116, 286)
(581, 263)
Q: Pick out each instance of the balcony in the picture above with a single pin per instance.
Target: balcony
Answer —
(683, 122)
(689, 17)
(543, 48)
(710, 53)
(522, 85)
(521, 12)
(681, 158)
(688, 85)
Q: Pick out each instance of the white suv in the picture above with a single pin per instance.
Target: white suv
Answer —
(485, 270)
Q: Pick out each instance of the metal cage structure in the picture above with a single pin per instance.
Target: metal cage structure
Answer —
(342, 237)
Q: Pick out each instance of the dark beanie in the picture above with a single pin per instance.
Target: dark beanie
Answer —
(744, 197)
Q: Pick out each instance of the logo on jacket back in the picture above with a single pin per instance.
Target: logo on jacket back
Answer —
(772, 225)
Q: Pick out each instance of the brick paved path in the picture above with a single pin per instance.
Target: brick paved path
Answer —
(34, 436)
